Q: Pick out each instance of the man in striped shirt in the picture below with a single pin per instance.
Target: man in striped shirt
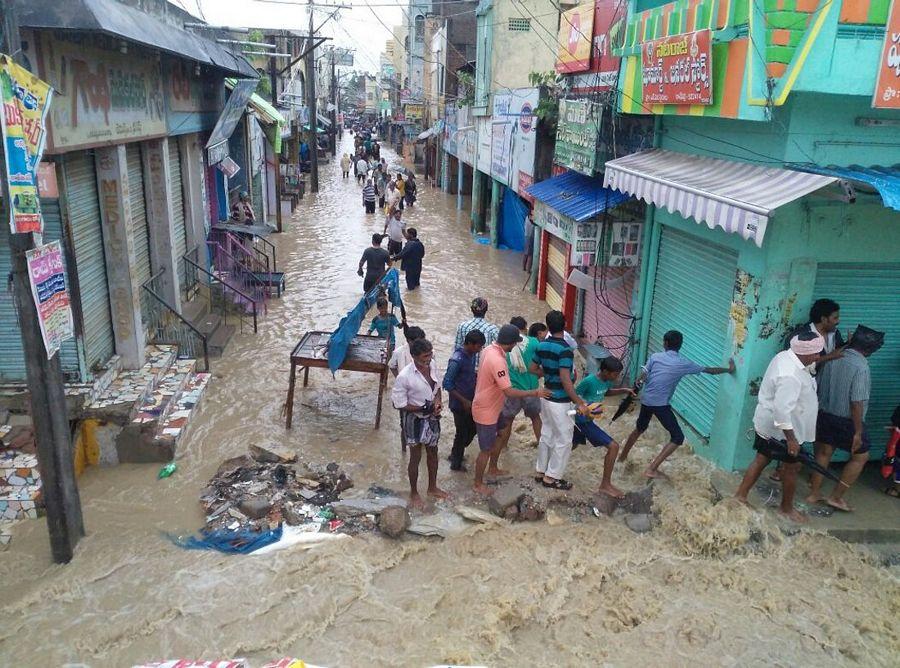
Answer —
(554, 360)
(479, 308)
(368, 195)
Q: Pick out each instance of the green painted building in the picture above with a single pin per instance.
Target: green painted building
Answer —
(756, 210)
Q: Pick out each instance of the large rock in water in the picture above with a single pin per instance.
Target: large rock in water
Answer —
(255, 507)
(355, 507)
(642, 523)
(530, 510)
(505, 496)
(393, 521)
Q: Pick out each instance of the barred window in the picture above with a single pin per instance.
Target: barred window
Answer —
(519, 25)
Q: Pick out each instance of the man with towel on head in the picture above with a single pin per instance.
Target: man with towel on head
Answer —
(785, 417)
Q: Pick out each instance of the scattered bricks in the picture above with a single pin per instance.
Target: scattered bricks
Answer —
(272, 454)
(255, 507)
(394, 521)
(642, 523)
(530, 510)
(505, 496)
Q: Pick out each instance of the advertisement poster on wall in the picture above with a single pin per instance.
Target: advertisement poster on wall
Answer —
(102, 97)
(484, 131)
(576, 29)
(576, 135)
(678, 69)
(887, 85)
(25, 102)
(514, 135)
(47, 274)
(604, 70)
(582, 237)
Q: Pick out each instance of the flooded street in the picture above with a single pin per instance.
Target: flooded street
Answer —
(714, 584)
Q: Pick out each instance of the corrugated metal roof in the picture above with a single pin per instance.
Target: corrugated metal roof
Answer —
(575, 195)
(114, 18)
(885, 180)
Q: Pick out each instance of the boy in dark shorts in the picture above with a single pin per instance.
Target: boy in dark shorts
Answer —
(593, 389)
(663, 372)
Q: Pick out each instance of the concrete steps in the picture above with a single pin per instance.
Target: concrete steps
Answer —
(119, 401)
(161, 418)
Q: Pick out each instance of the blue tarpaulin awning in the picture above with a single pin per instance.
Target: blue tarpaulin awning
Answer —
(576, 196)
(885, 180)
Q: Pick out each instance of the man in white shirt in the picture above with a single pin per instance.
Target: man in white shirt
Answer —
(400, 359)
(395, 229)
(362, 170)
(391, 197)
(417, 392)
(785, 418)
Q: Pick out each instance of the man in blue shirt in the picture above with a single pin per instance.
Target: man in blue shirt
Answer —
(663, 372)
(553, 360)
(459, 382)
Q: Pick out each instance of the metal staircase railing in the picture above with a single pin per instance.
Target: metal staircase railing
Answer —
(218, 293)
(166, 326)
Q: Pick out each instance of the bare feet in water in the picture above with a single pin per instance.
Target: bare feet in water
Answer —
(438, 493)
(839, 504)
(611, 490)
(483, 490)
(416, 502)
(794, 516)
(657, 475)
(744, 502)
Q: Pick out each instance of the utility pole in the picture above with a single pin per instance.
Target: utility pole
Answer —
(333, 108)
(311, 105)
(273, 83)
(44, 377)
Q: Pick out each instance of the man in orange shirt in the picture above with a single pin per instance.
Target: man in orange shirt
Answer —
(491, 390)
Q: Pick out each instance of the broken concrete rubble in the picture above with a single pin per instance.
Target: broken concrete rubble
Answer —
(530, 510)
(505, 496)
(257, 493)
(272, 454)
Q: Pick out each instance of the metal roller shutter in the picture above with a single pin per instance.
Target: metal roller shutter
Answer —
(692, 293)
(868, 295)
(12, 359)
(139, 227)
(177, 205)
(83, 206)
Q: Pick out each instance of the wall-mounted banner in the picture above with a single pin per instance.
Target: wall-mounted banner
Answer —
(887, 85)
(582, 237)
(604, 70)
(577, 133)
(47, 274)
(414, 111)
(576, 29)
(678, 69)
(514, 134)
(25, 102)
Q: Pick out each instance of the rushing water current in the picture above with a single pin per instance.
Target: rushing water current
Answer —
(714, 584)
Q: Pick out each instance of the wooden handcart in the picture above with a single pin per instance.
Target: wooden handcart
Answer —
(366, 353)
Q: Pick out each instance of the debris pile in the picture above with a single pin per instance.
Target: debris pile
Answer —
(258, 492)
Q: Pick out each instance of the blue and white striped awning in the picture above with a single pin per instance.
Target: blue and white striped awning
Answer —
(737, 196)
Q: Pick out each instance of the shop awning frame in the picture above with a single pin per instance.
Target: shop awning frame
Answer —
(737, 196)
(576, 195)
(119, 20)
(884, 180)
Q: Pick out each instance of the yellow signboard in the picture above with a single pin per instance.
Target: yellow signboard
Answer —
(576, 31)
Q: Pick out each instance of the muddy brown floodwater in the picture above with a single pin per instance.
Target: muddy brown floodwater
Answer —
(713, 584)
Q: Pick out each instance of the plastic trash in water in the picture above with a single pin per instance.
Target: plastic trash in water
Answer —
(326, 513)
(484, 241)
(167, 470)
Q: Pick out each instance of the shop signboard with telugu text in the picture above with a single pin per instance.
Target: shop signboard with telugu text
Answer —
(414, 112)
(484, 138)
(47, 275)
(102, 97)
(887, 85)
(192, 102)
(577, 131)
(25, 101)
(678, 69)
(576, 30)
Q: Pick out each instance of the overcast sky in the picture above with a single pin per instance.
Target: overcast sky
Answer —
(357, 28)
